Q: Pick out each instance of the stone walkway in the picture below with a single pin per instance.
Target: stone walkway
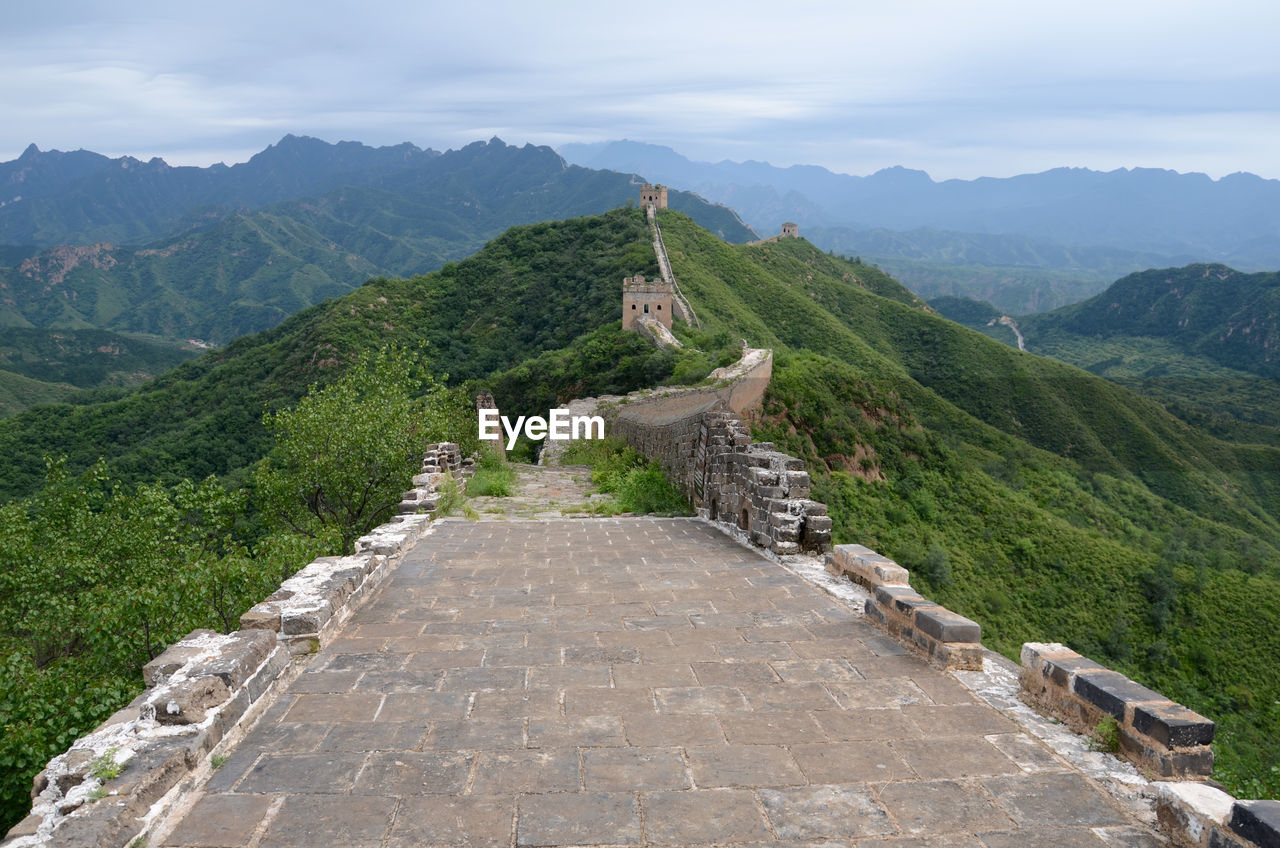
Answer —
(631, 682)
(541, 492)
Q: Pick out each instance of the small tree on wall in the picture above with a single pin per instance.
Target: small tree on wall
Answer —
(347, 452)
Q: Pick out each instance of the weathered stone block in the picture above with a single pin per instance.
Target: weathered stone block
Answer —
(26, 827)
(237, 659)
(1110, 691)
(91, 826)
(296, 622)
(1173, 724)
(275, 664)
(228, 716)
(816, 540)
(961, 656)
(818, 523)
(946, 626)
(153, 771)
(1061, 670)
(809, 507)
(261, 617)
(303, 644)
(886, 595)
(173, 658)
(1221, 839)
(188, 701)
(1257, 821)
(1192, 761)
(797, 480)
(910, 606)
(784, 520)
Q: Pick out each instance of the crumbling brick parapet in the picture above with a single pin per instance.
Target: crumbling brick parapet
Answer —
(1156, 734)
(949, 640)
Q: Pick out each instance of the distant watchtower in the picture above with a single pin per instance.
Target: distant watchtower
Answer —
(790, 230)
(653, 195)
(643, 298)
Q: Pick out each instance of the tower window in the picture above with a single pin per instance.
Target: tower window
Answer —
(646, 309)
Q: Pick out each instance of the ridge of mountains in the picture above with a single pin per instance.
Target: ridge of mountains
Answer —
(80, 197)
(1204, 340)
(1065, 218)
(1213, 311)
(1041, 500)
(224, 251)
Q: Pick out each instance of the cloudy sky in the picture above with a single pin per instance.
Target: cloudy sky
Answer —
(959, 89)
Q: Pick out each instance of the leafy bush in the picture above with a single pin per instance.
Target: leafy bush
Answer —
(347, 452)
(637, 484)
(493, 476)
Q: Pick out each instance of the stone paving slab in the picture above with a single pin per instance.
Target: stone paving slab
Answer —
(631, 682)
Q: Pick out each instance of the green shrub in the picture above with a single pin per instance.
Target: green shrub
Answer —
(451, 498)
(493, 476)
(1106, 736)
(646, 490)
(638, 484)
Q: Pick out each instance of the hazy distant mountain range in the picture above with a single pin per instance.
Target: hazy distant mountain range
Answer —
(1070, 218)
(140, 252)
(219, 252)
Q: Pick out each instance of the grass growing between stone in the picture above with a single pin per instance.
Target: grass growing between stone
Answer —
(493, 478)
(637, 485)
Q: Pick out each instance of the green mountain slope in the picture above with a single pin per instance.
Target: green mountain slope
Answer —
(18, 392)
(532, 289)
(246, 272)
(1202, 340)
(1016, 290)
(87, 358)
(1043, 501)
(1206, 310)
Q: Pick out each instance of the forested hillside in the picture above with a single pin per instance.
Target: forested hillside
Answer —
(221, 272)
(1044, 502)
(532, 289)
(1211, 311)
(1034, 497)
(230, 251)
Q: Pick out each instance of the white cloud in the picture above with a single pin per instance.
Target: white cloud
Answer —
(956, 89)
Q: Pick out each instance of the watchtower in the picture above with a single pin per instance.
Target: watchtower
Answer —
(790, 230)
(653, 195)
(643, 298)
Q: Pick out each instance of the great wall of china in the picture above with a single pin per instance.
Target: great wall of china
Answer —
(778, 713)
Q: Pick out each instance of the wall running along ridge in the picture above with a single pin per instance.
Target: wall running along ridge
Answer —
(701, 443)
(208, 687)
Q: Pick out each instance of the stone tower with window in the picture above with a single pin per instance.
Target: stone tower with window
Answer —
(643, 298)
(653, 195)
